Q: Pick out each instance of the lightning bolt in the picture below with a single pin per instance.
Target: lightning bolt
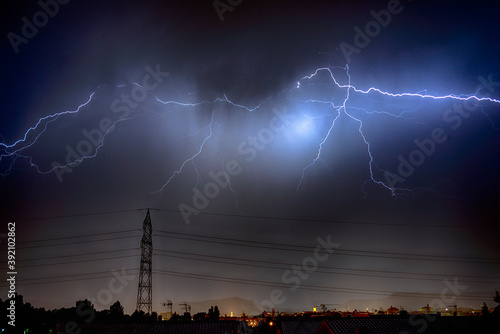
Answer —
(205, 140)
(343, 110)
(12, 153)
(190, 159)
(10, 150)
(462, 97)
(14, 150)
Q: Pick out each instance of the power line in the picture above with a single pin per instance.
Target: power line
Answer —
(74, 261)
(339, 251)
(309, 220)
(290, 247)
(242, 243)
(64, 256)
(321, 271)
(304, 286)
(185, 255)
(99, 213)
(69, 275)
(81, 254)
(274, 263)
(284, 219)
(323, 267)
(313, 247)
(79, 242)
(51, 278)
(56, 279)
(80, 236)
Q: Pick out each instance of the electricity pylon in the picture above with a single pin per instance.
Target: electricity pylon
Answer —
(144, 293)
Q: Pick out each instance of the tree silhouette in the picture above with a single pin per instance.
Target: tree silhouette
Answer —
(485, 311)
(214, 313)
(175, 317)
(153, 317)
(138, 316)
(200, 316)
(116, 311)
(496, 298)
(186, 316)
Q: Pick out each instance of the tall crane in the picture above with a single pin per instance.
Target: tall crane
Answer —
(323, 307)
(168, 304)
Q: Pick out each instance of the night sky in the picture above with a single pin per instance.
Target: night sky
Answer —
(307, 159)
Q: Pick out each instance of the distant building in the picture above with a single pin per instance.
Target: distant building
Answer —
(391, 324)
(426, 309)
(166, 315)
(392, 310)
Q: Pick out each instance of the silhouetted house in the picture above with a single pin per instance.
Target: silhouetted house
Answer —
(392, 310)
(300, 326)
(367, 326)
(426, 309)
(167, 327)
(396, 325)
(357, 313)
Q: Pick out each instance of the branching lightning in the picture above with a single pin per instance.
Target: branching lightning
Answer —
(12, 154)
(343, 109)
(10, 150)
(191, 159)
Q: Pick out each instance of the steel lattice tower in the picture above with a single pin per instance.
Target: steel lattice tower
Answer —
(144, 293)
